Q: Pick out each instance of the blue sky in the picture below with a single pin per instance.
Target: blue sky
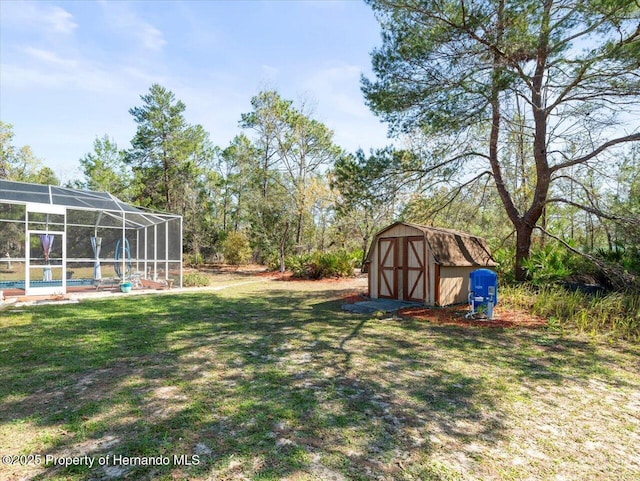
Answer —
(70, 71)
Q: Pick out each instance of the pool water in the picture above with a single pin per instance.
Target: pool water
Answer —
(58, 283)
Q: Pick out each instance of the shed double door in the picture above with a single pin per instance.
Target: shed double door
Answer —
(402, 259)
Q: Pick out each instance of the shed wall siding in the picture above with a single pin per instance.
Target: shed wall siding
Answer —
(373, 272)
(402, 231)
(454, 284)
(431, 295)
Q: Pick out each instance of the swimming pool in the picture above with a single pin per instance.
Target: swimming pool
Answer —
(58, 283)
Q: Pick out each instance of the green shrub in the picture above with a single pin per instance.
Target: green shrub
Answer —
(236, 249)
(356, 257)
(504, 257)
(195, 279)
(626, 257)
(193, 260)
(295, 264)
(549, 264)
(319, 265)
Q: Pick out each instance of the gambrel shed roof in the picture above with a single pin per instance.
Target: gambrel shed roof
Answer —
(449, 247)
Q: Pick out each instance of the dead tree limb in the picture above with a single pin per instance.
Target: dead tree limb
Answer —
(618, 278)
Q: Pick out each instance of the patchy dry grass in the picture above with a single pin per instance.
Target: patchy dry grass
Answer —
(271, 380)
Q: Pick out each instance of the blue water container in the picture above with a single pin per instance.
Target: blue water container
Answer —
(483, 289)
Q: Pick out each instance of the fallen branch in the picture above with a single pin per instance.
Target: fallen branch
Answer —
(619, 278)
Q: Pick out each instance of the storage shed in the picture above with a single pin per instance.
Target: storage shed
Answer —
(430, 265)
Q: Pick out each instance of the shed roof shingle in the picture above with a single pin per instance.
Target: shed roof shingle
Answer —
(451, 247)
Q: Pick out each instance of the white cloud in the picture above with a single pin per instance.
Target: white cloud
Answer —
(50, 57)
(69, 64)
(150, 37)
(123, 19)
(61, 21)
(269, 73)
(45, 19)
(80, 77)
(139, 75)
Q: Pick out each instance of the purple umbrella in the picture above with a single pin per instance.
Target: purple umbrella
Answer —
(47, 244)
(96, 244)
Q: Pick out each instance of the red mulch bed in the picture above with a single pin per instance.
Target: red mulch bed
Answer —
(502, 317)
(288, 277)
(454, 316)
(277, 275)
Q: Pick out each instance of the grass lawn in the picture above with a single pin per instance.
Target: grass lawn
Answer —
(271, 380)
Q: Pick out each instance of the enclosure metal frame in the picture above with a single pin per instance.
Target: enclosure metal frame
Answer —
(133, 219)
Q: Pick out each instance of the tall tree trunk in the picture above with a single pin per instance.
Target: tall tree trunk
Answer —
(523, 242)
(524, 227)
(523, 247)
(544, 227)
(196, 250)
(365, 244)
(236, 217)
(224, 212)
(299, 229)
(283, 243)
(524, 224)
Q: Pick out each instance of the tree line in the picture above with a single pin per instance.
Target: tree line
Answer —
(275, 184)
(518, 122)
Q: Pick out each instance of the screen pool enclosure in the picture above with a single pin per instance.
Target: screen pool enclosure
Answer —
(53, 238)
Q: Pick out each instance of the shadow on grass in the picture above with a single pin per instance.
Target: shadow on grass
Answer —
(268, 384)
